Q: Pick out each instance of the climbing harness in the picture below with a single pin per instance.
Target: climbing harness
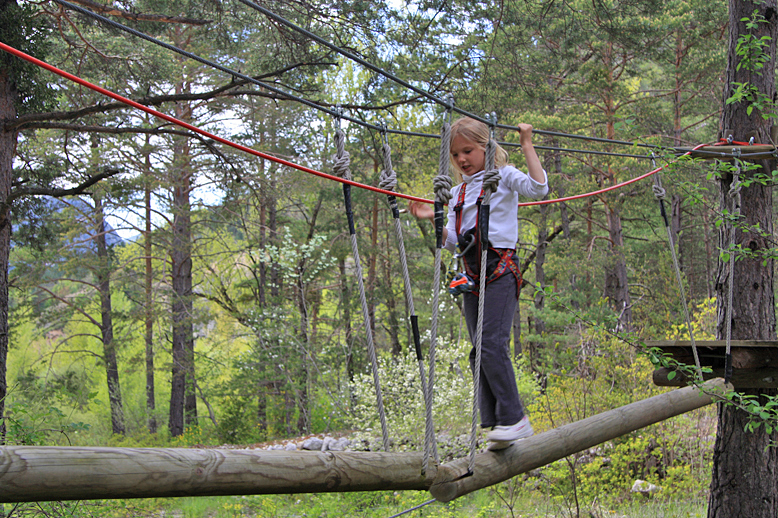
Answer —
(466, 280)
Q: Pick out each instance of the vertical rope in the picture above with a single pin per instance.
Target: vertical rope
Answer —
(442, 186)
(491, 180)
(341, 168)
(659, 193)
(388, 182)
(734, 193)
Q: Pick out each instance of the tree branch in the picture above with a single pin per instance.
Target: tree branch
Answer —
(105, 9)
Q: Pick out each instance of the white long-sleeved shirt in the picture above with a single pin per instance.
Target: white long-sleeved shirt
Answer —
(503, 220)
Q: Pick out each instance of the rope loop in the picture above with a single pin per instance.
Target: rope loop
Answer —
(492, 176)
(342, 160)
(658, 190)
(388, 181)
(442, 186)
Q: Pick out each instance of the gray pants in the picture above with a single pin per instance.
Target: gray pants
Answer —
(499, 399)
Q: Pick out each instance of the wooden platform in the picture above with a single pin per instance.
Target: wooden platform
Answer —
(754, 362)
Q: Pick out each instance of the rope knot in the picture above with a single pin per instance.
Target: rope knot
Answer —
(734, 188)
(491, 180)
(388, 181)
(342, 158)
(659, 191)
(492, 176)
(442, 185)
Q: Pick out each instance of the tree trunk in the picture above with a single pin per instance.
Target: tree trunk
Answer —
(8, 96)
(106, 323)
(616, 285)
(151, 420)
(182, 393)
(391, 304)
(540, 274)
(345, 301)
(745, 471)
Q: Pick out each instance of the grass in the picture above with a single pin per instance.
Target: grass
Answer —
(485, 503)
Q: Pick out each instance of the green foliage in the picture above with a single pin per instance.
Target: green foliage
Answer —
(753, 50)
(403, 397)
(611, 375)
(21, 27)
(32, 425)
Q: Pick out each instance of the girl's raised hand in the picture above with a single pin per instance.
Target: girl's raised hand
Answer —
(421, 210)
(525, 132)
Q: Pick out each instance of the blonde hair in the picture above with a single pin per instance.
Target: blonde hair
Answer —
(478, 133)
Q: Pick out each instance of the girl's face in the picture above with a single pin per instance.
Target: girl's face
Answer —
(468, 155)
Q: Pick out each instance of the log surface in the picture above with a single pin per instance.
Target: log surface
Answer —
(539, 450)
(41, 473)
(30, 473)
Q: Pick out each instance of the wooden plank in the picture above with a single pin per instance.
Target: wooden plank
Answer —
(527, 454)
(40, 473)
(746, 354)
(741, 378)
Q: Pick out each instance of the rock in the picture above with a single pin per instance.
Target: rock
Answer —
(313, 444)
(341, 444)
(327, 443)
(290, 446)
(644, 488)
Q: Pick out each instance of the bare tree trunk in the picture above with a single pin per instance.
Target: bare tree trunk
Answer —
(151, 405)
(372, 260)
(106, 323)
(345, 302)
(745, 466)
(183, 409)
(306, 355)
(616, 285)
(391, 303)
(8, 138)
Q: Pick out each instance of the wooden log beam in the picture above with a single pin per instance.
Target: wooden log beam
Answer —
(41, 473)
(527, 454)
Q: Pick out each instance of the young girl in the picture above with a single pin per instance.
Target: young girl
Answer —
(501, 408)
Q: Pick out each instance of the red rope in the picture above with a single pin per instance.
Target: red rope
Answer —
(260, 154)
(190, 127)
(606, 189)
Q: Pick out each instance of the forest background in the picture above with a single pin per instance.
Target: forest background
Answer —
(220, 306)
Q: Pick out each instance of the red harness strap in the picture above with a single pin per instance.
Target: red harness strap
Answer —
(506, 263)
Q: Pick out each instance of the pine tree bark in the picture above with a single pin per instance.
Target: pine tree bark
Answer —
(183, 408)
(106, 323)
(745, 469)
(151, 420)
(8, 94)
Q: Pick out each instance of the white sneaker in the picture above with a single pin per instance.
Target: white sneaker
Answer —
(511, 433)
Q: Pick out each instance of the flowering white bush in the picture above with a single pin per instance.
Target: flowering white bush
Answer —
(404, 401)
